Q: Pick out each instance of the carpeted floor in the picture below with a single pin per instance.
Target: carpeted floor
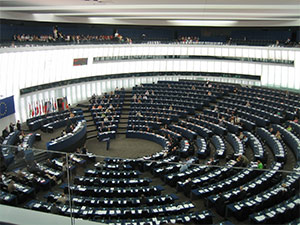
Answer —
(123, 147)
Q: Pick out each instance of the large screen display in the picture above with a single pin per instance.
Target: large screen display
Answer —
(80, 61)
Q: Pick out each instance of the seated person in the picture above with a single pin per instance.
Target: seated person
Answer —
(220, 204)
(62, 199)
(69, 129)
(187, 185)
(34, 168)
(278, 135)
(11, 187)
(20, 175)
(289, 128)
(283, 188)
(183, 167)
(50, 164)
(211, 161)
(72, 115)
(245, 140)
(143, 200)
(260, 165)
(189, 161)
(21, 137)
(242, 195)
(242, 161)
(241, 136)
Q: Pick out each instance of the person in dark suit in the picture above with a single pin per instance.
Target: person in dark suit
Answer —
(50, 164)
(32, 167)
(11, 127)
(5, 132)
(19, 125)
(84, 150)
(69, 129)
(187, 186)
(220, 204)
(143, 200)
(283, 191)
(242, 195)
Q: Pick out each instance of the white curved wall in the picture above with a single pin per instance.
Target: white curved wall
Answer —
(31, 66)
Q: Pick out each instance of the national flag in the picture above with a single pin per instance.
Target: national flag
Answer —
(53, 108)
(7, 106)
(43, 106)
(40, 108)
(30, 110)
(36, 108)
(65, 103)
(48, 107)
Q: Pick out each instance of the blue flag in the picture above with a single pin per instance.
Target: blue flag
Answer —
(7, 106)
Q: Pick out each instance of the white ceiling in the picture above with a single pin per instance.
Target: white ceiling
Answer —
(242, 13)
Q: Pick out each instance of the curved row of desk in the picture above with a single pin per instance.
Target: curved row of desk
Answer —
(149, 136)
(9, 151)
(70, 141)
(139, 215)
(265, 199)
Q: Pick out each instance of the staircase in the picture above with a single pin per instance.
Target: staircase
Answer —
(125, 113)
(90, 125)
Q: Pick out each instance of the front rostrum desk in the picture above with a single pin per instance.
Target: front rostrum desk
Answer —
(55, 120)
(70, 141)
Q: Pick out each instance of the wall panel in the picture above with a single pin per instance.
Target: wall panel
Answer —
(26, 67)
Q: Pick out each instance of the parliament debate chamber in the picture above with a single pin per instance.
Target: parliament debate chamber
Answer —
(115, 113)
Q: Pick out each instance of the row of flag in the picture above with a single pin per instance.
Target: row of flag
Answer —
(42, 107)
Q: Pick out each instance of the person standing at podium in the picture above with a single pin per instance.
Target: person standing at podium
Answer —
(107, 144)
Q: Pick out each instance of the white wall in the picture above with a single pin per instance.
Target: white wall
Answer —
(26, 67)
(6, 121)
